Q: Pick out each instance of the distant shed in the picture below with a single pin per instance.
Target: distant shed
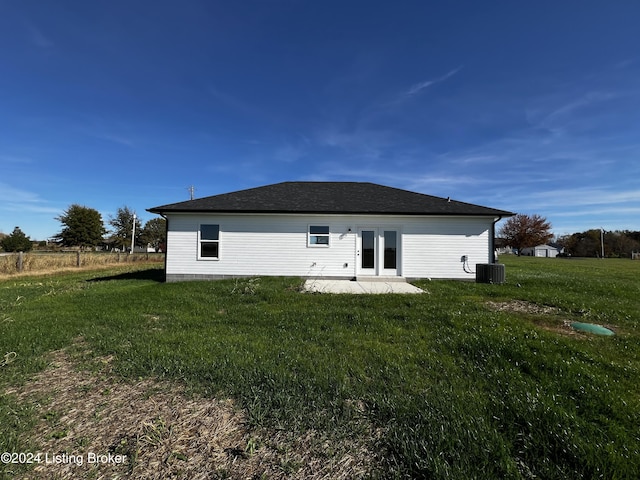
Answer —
(547, 251)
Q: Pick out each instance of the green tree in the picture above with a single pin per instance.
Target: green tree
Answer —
(154, 233)
(122, 226)
(16, 242)
(589, 243)
(82, 227)
(523, 231)
(583, 244)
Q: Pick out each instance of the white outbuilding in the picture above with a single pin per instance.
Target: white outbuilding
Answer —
(547, 251)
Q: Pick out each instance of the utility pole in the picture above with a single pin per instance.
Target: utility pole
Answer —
(133, 233)
(191, 190)
(602, 241)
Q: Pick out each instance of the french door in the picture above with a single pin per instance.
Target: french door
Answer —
(378, 251)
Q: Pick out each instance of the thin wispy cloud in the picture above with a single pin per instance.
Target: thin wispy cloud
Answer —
(571, 108)
(14, 199)
(599, 211)
(9, 193)
(230, 101)
(114, 138)
(237, 105)
(419, 181)
(20, 207)
(578, 197)
(418, 87)
(627, 62)
(364, 144)
(37, 37)
(108, 131)
(14, 159)
(289, 153)
(401, 98)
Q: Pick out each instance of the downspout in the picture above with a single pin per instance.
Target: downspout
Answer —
(493, 236)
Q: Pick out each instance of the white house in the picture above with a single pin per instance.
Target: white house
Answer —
(549, 251)
(326, 229)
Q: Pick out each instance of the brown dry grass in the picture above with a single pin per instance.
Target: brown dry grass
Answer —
(522, 306)
(47, 263)
(165, 433)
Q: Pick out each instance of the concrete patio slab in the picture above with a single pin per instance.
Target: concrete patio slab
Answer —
(351, 286)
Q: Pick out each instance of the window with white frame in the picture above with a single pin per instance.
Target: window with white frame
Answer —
(209, 242)
(318, 236)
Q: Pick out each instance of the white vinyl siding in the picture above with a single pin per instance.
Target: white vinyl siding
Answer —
(436, 246)
(259, 245)
(278, 245)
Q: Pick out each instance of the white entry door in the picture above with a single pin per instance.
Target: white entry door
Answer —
(378, 251)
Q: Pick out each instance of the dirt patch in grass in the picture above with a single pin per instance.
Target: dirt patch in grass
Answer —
(546, 316)
(160, 432)
(522, 306)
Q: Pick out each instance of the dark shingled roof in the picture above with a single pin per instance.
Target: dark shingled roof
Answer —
(329, 197)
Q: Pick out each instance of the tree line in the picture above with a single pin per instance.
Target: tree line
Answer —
(525, 231)
(617, 244)
(84, 227)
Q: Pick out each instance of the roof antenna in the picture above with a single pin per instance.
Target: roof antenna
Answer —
(191, 190)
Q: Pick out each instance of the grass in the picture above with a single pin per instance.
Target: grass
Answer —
(44, 262)
(455, 387)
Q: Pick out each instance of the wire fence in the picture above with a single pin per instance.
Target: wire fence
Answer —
(20, 262)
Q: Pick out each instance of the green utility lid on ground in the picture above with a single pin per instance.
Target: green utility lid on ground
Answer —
(592, 328)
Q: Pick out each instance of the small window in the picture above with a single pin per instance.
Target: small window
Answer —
(209, 241)
(318, 236)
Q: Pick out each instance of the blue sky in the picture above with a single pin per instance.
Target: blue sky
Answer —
(532, 107)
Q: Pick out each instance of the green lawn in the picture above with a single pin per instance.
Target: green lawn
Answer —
(460, 382)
